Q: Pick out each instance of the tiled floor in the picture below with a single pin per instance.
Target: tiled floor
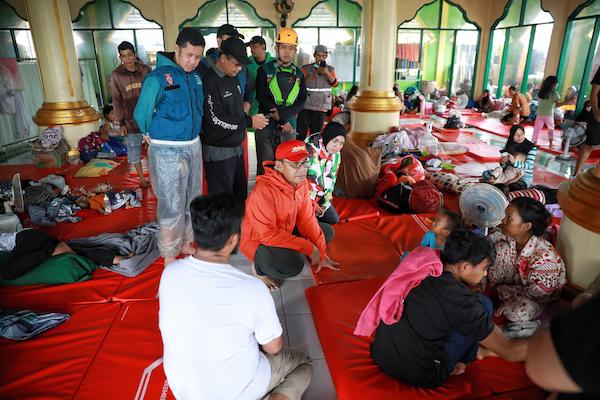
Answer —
(294, 313)
(299, 328)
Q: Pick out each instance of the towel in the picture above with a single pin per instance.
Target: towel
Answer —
(388, 302)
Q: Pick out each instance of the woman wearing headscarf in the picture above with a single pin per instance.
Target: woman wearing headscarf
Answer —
(325, 157)
(518, 153)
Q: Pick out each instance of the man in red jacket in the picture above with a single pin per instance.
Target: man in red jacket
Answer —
(280, 227)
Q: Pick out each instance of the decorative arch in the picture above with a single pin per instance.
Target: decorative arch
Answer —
(239, 13)
(518, 47)
(576, 67)
(438, 43)
(335, 24)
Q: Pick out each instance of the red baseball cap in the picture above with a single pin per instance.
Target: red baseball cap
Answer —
(292, 150)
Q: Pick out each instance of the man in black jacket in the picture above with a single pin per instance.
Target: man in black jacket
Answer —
(224, 122)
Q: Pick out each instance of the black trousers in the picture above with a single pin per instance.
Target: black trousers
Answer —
(330, 217)
(33, 247)
(281, 263)
(227, 176)
(267, 141)
(508, 117)
(310, 119)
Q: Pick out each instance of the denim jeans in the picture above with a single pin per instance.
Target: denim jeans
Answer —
(459, 348)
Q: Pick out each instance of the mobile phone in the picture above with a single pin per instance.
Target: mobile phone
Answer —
(268, 116)
(503, 154)
(322, 64)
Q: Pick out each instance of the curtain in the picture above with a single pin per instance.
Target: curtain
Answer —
(87, 79)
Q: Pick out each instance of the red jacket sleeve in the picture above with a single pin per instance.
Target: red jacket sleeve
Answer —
(262, 215)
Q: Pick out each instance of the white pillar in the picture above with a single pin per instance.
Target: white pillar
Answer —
(375, 108)
(579, 235)
(64, 103)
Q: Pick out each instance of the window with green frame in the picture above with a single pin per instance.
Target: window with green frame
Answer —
(15, 36)
(335, 24)
(99, 28)
(439, 44)
(16, 44)
(577, 67)
(518, 48)
(238, 13)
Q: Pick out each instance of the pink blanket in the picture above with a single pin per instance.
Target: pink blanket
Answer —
(388, 302)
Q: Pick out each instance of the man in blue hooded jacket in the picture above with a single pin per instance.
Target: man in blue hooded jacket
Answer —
(170, 109)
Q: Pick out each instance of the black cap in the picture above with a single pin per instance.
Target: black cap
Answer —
(235, 48)
(331, 131)
(229, 30)
(256, 40)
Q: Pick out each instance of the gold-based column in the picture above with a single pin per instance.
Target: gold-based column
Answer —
(64, 103)
(579, 235)
(375, 108)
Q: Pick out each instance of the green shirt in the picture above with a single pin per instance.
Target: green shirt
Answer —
(252, 70)
(546, 106)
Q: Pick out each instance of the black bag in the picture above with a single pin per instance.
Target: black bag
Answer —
(421, 198)
(453, 123)
(396, 199)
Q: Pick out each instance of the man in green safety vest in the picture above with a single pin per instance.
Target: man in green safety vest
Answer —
(281, 93)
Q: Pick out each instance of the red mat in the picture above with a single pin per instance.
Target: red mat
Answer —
(141, 287)
(336, 309)
(455, 136)
(483, 151)
(405, 232)
(53, 364)
(492, 125)
(129, 362)
(362, 251)
(356, 209)
(99, 289)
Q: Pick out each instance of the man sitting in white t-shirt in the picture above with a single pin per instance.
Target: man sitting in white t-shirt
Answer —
(213, 318)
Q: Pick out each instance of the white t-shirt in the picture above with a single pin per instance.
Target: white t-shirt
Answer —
(212, 318)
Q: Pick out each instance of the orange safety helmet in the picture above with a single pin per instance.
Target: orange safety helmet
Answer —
(287, 36)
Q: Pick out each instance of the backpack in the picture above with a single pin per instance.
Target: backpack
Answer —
(420, 198)
(453, 122)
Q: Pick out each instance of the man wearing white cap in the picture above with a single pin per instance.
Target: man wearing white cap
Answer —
(320, 78)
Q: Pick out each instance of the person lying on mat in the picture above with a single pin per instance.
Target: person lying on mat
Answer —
(221, 334)
(518, 153)
(325, 158)
(31, 247)
(528, 272)
(280, 227)
(442, 323)
(443, 225)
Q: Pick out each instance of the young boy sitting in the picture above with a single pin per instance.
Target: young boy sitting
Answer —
(442, 322)
(445, 223)
(111, 126)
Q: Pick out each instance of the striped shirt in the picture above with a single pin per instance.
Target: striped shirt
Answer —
(527, 166)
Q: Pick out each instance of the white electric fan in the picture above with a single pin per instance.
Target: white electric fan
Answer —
(573, 136)
(483, 205)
